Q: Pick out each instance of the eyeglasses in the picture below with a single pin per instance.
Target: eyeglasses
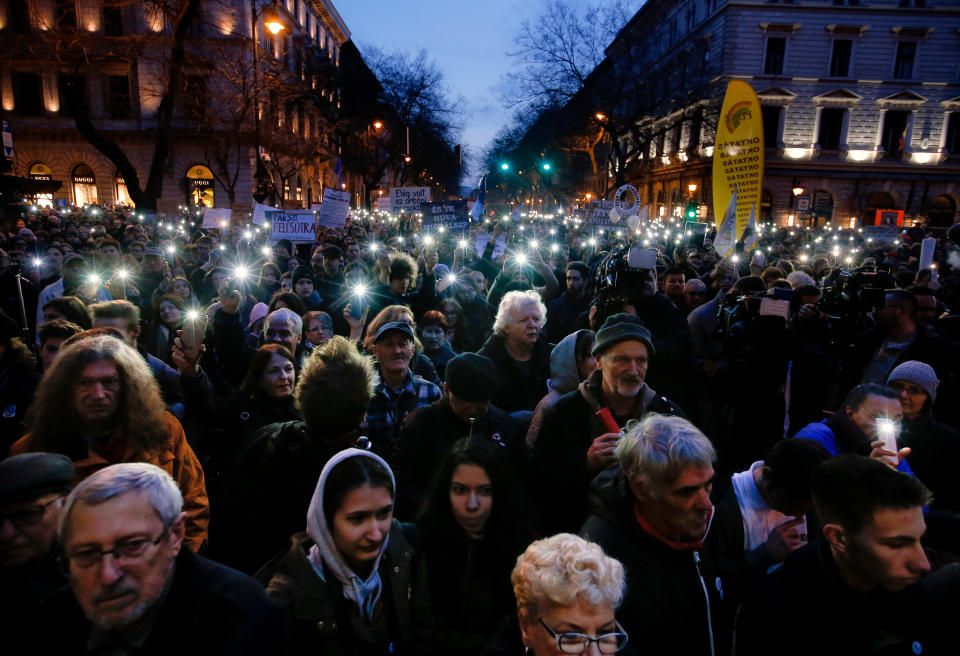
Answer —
(912, 390)
(125, 552)
(28, 516)
(577, 643)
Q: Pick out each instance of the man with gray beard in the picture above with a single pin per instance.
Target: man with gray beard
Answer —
(134, 589)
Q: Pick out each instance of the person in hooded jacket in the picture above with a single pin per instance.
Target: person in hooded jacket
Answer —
(464, 410)
(858, 426)
(653, 514)
(355, 583)
(571, 361)
(574, 443)
(475, 523)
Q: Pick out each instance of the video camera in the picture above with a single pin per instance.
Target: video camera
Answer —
(755, 319)
(622, 277)
(851, 295)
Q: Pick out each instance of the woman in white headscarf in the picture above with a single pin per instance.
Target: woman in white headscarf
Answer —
(354, 583)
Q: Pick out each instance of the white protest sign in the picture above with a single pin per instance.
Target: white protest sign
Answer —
(383, 204)
(333, 211)
(882, 234)
(216, 217)
(499, 248)
(927, 247)
(260, 213)
(298, 226)
(408, 199)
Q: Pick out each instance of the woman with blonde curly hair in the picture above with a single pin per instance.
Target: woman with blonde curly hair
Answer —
(100, 405)
(567, 594)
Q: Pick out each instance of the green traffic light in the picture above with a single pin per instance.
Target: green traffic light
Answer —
(505, 166)
(546, 166)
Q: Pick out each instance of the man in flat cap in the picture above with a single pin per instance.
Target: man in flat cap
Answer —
(32, 491)
(575, 444)
(464, 410)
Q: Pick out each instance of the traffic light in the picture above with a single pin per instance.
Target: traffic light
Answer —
(692, 211)
(504, 166)
(545, 166)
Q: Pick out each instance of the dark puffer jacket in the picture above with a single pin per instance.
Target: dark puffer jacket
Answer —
(521, 387)
(675, 599)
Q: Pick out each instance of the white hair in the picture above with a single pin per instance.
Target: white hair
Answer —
(287, 315)
(658, 447)
(112, 481)
(799, 279)
(563, 570)
(516, 299)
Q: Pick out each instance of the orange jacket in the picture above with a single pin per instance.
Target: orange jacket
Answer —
(178, 460)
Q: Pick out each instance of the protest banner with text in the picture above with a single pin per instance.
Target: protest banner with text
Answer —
(299, 226)
(738, 153)
(452, 216)
(408, 199)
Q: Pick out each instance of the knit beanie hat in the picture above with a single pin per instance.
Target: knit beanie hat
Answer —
(621, 328)
(300, 273)
(472, 377)
(918, 373)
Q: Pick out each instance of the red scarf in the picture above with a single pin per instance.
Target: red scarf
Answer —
(673, 544)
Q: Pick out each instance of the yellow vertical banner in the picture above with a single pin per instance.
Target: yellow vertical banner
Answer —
(738, 153)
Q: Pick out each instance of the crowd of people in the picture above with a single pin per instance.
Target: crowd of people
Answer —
(563, 440)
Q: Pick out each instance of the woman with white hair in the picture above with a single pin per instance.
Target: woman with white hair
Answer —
(520, 352)
(567, 594)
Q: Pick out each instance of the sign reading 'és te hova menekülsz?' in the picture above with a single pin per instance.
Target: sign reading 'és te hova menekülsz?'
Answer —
(453, 216)
(738, 154)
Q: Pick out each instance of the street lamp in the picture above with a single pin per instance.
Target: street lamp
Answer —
(692, 188)
(377, 125)
(271, 19)
(600, 116)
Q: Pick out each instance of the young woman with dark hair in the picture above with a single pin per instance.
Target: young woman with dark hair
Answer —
(475, 524)
(354, 583)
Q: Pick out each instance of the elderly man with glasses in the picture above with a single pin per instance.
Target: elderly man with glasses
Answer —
(135, 589)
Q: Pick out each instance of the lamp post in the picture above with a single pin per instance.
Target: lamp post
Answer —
(271, 20)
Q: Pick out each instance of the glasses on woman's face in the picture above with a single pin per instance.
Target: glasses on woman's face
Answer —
(577, 643)
(27, 516)
(912, 390)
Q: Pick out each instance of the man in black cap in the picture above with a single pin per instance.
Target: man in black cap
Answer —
(465, 410)
(304, 287)
(327, 276)
(576, 443)
(400, 390)
(32, 491)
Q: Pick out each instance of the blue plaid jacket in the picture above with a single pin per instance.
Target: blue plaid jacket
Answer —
(387, 410)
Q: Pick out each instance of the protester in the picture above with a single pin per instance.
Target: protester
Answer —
(567, 593)
(653, 514)
(32, 491)
(933, 445)
(571, 362)
(275, 472)
(18, 382)
(152, 595)
(869, 567)
(562, 312)
(399, 391)
(52, 335)
(317, 328)
(433, 334)
(355, 582)
(574, 443)
(520, 352)
(99, 405)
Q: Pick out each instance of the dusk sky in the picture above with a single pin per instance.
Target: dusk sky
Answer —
(469, 41)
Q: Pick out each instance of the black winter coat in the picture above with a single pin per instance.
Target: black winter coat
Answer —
(935, 450)
(675, 599)
(519, 390)
(559, 459)
(209, 609)
(314, 624)
(806, 608)
(428, 433)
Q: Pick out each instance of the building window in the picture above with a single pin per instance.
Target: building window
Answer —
(840, 58)
(771, 125)
(195, 98)
(42, 172)
(112, 21)
(70, 86)
(200, 186)
(903, 65)
(773, 61)
(28, 94)
(822, 206)
(894, 135)
(952, 143)
(123, 197)
(19, 17)
(831, 128)
(84, 186)
(119, 100)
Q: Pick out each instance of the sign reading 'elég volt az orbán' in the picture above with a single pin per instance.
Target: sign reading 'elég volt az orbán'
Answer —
(738, 154)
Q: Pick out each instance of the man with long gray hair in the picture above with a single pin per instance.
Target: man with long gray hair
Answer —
(135, 589)
(653, 514)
